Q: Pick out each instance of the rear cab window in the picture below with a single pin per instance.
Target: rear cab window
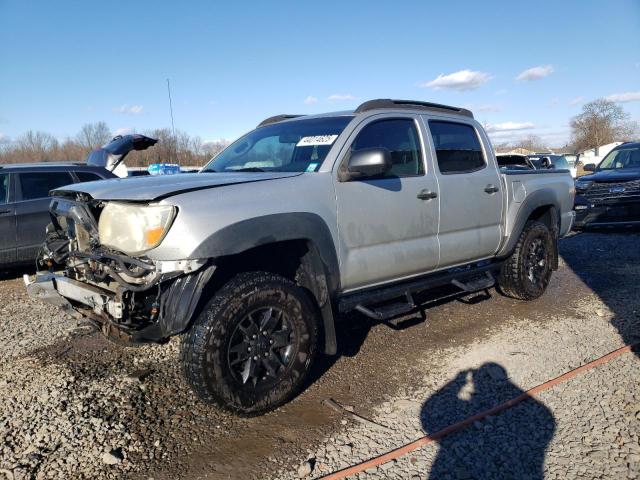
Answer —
(457, 146)
(34, 185)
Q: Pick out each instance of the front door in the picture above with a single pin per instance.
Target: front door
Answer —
(7, 221)
(386, 231)
(470, 193)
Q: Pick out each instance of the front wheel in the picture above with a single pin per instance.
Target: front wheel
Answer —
(251, 348)
(526, 273)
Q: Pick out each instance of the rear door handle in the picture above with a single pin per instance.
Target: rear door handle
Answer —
(427, 195)
(4, 211)
(491, 189)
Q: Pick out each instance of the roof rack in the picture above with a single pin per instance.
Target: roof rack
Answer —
(386, 103)
(276, 119)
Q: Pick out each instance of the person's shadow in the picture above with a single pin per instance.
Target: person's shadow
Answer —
(509, 445)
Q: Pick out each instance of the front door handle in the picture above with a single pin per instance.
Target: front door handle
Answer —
(427, 195)
(491, 189)
(4, 211)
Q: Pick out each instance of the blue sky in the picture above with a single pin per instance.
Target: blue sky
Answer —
(231, 64)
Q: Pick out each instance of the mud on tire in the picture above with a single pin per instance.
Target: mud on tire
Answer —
(526, 273)
(251, 348)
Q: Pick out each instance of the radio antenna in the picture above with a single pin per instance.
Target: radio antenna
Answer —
(173, 128)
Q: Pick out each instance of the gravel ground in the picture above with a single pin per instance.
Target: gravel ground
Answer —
(73, 405)
(586, 428)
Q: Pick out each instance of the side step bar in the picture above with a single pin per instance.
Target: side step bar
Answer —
(471, 278)
(386, 312)
(476, 284)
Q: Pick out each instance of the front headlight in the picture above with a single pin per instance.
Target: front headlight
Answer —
(583, 185)
(132, 228)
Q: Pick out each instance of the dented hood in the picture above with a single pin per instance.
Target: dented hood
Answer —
(163, 186)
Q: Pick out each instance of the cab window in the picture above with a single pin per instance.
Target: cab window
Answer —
(400, 137)
(457, 147)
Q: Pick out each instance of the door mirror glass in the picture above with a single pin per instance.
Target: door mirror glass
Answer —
(369, 162)
(589, 167)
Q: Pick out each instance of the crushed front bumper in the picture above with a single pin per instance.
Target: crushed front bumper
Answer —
(177, 301)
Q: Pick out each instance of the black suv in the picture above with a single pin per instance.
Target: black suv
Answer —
(24, 204)
(610, 196)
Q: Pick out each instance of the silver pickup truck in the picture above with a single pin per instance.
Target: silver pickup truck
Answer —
(300, 220)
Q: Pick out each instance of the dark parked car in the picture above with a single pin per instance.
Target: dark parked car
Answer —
(24, 194)
(610, 196)
(24, 204)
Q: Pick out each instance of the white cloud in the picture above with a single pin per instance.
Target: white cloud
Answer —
(535, 73)
(4, 138)
(461, 80)
(133, 109)
(576, 101)
(624, 97)
(310, 100)
(341, 96)
(509, 126)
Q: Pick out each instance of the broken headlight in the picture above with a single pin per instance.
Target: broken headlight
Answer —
(132, 228)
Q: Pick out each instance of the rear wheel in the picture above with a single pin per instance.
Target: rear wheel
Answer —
(251, 348)
(526, 274)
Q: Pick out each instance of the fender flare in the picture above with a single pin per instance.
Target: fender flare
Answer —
(545, 197)
(319, 270)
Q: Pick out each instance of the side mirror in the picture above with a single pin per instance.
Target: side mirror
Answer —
(369, 162)
(589, 167)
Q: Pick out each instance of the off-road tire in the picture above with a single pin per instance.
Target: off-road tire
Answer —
(514, 279)
(206, 346)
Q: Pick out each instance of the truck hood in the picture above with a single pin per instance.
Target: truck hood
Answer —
(614, 175)
(163, 186)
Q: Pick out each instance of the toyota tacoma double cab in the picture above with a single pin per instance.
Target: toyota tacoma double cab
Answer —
(304, 218)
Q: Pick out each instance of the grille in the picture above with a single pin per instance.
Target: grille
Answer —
(603, 191)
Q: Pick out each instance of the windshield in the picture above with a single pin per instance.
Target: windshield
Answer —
(294, 146)
(623, 158)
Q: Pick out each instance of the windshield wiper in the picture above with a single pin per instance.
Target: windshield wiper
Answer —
(208, 170)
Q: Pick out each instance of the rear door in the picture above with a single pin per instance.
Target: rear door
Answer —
(7, 220)
(32, 208)
(470, 197)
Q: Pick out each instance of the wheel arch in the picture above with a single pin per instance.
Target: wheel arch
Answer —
(298, 246)
(542, 206)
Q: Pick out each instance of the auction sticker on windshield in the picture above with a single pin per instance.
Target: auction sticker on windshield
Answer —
(316, 140)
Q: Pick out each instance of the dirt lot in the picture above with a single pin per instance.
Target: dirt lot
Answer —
(74, 405)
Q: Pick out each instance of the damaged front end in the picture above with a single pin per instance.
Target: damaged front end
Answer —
(130, 297)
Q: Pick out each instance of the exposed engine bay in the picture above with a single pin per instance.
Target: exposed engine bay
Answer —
(133, 298)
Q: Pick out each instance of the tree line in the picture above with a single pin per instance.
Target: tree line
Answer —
(600, 122)
(182, 148)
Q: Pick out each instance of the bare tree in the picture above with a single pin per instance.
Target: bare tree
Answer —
(532, 143)
(601, 122)
(179, 148)
(93, 135)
